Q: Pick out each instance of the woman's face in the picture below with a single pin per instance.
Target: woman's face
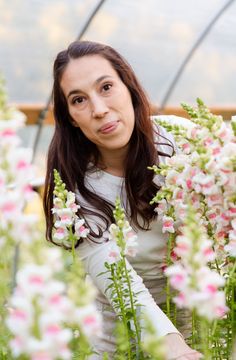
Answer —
(99, 102)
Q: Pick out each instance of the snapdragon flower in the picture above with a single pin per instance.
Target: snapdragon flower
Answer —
(198, 286)
(128, 244)
(38, 312)
(64, 210)
(204, 176)
(16, 174)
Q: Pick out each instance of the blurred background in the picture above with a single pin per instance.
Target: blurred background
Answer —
(180, 50)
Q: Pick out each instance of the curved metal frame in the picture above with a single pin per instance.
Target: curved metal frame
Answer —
(172, 85)
(191, 52)
(43, 113)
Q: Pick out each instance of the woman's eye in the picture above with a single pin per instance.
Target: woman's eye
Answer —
(106, 87)
(78, 100)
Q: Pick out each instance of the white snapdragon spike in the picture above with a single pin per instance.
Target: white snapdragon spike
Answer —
(8, 138)
(53, 256)
(16, 172)
(129, 243)
(203, 175)
(231, 246)
(198, 285)
(89, 319)
(38, 312)
(168, 224)
(161, 208)
(80, 229)
(15, 122)
(67, 224)
(113, 253)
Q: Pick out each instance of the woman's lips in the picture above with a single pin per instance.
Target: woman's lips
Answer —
(109, 127)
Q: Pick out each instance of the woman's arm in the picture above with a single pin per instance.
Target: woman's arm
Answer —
(94, 257)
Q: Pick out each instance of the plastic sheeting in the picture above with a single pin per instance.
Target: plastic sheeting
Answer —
(154, 35)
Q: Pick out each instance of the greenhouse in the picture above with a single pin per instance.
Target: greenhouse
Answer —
(118, 180)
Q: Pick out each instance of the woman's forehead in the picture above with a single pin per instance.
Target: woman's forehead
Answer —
(87, 70)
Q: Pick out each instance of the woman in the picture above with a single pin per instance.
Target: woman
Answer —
(103, 143)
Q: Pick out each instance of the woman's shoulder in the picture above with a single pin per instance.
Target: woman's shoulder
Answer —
(164, 139)
(172, 119)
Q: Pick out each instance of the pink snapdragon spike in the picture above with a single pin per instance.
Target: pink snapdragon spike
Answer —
(67, 223)
(168, 224)
(89, 319)
(198, 285)
(204, 176)
(80, 229)
(129, 244)
(16, 173)
(38, 312)
(113, 253)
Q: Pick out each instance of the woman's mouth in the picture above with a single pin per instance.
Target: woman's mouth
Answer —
(109, 127)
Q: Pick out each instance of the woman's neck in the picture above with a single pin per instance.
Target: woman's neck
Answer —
(112, 161)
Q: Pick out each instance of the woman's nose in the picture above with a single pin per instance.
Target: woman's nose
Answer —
(99, 107)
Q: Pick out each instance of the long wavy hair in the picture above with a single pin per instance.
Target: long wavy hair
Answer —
(70, 151)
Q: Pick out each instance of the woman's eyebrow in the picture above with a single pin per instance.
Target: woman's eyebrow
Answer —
(97, 81)
(101, 78)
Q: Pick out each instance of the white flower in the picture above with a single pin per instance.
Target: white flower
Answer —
(131, 247)
(80, 229)
(70, 203)
(90, 320)
(61, 233)
(32, 279)
(231, 246)
(53, 256)
(66, 217)
(113, 232)
(168, 224)
(113, 253)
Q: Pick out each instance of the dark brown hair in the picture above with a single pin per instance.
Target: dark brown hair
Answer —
(70, 151)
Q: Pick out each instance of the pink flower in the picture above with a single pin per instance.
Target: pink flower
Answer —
(90, 320)
(80, 229)
(113, 253)
(70, 203)
(178, 194)
(189, 184)
(17, 345)
(209, 254)
(186, 148)
(53, 329)
(177, 275)
(131, 247)
(181, 248)
(161, 207)
(42, 356)
(168, 224)
(215, 199)
(22, 165)
(180, 300)
(66, 217)
(60, 233)
(231, 247)
(212, 289)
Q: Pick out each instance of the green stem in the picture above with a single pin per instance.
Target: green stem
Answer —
(122, 307)
(168, 298)
(217, 266)
(194, 330)
(72, 239)
(231, 275)
(169, 262)
(136, 324)
(206, 348)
